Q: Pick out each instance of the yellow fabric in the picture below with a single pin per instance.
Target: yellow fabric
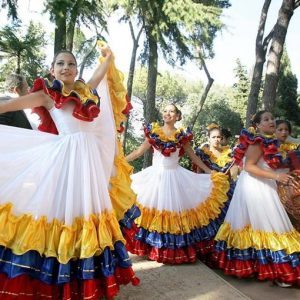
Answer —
(84, 239)
(185, 221)
(121, 194)
(284, 148)
(258, 239)
(224, 157)
(82, 90)
(158, 130)
(117, 90)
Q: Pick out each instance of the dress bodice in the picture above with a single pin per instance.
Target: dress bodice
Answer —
(167, 162)
(66, 123)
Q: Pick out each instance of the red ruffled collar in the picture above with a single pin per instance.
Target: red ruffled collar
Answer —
(86, 102)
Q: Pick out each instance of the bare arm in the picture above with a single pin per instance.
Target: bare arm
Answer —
(195, 159)
(139, 151)
(101, 69)
(253, 154)
(29, 101)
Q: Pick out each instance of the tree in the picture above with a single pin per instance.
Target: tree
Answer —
(169, 27)
(12, 7)
(241, 90)
(275, 52)
(286, 105)
(261, 45)
(25, 52)
(67, 13)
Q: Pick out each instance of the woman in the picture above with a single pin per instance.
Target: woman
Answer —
(216, 156)
(61, 196)
(180, 210)
(257, 237)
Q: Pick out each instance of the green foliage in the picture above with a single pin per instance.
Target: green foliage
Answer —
(241, 90)
(11, 6)
(24, 50)
(286, 105)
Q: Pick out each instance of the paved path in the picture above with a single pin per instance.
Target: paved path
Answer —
(187, 281)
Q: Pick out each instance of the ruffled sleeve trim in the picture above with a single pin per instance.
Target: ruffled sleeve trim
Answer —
(268, 145)
(86, 101)
(167, 145)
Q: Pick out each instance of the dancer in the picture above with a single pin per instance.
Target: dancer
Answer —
(61, 196)
(257, 237)
(180, 210)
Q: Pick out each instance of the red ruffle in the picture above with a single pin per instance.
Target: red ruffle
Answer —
(247, 268)
(268, 146)
(87, 112)
(188, 254)
(24, 287)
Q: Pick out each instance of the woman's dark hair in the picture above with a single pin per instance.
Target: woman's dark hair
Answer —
(256, 119)
(226, 133)
(178, 111)
(62, 51)
(288, 124)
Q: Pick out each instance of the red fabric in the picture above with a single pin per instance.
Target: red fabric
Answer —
(243, 269)
(24, 287)
(87, 112)
(188, 254)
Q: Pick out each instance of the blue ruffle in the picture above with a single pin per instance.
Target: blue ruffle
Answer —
(263, 256)
(206, 159)
(50, 271)
(129, 217)
(174, 241)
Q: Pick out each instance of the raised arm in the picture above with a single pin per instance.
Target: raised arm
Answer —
(195, 159)
(29, 101)
(139, 151)
(101, 69)
(253, 154)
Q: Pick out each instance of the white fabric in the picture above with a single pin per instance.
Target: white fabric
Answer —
(167, 186)
(59, 176)
(256, 202)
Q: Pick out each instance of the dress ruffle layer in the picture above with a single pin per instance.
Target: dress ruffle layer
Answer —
(186, 221)
(83, 239)
(268, 255)
(175, 238)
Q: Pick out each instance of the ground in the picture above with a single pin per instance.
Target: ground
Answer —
(197, 282)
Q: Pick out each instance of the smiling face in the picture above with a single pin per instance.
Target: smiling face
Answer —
(169, 114)
(282, 131)
(266, 124)
(64, 68)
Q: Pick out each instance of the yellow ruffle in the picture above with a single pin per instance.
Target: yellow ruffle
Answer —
(223, 159)
(249, 238)
(84, 239)
(117, 92)
(158, 130)
(284, 148)
(121, 194)
(185, 221)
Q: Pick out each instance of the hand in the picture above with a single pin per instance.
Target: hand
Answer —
(106, 51)
(283, 178)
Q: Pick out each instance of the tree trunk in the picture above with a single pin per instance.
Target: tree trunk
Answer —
(19, 63)
(260, 53)
(82, 65)
(272, 73)
(149, 111)
(60, 32)
(131, 75)
(210, 82)
(71, 25)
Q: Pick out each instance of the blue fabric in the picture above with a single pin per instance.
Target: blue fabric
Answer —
(50, 271)
(129, 217)
(174, 241)
(263, 256)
